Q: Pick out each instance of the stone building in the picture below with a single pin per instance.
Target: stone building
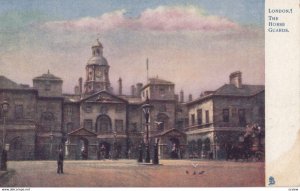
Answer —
(95, 123)
(219, 117)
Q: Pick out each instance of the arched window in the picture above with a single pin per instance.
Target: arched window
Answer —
(103, 124)
(162, 121)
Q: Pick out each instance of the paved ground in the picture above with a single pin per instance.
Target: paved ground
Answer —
(128, 173)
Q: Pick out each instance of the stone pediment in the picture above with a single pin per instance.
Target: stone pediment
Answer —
(82, 132)
(171, 133)
(104, 97)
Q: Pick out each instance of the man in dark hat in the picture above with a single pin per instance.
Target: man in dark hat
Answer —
(60, 161)
(4, 160)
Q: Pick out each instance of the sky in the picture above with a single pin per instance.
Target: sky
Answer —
(194, 43)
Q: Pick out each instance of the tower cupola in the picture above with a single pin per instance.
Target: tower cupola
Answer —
(97, 71)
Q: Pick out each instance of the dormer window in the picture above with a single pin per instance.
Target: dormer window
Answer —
(162, 90)
(47, 86)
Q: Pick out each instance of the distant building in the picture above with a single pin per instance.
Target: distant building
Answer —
(95, 123)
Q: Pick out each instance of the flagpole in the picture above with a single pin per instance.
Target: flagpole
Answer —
(147, 66)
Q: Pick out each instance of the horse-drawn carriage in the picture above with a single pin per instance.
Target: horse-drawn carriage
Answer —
(250, 145)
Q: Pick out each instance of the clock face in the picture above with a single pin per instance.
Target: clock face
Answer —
(99, 75)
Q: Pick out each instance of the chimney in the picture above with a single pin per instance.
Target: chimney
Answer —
(139, 89)
(176, 98)
(190, 97)
(120, 86)
(80, 85)
(181, 97)
(76, 90)
(133, 90)
(235, 78)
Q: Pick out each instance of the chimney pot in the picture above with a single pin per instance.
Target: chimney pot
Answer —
(235, 78)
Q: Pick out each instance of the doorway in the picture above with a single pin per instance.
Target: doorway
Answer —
(104, 150)
(82, 148)
(175, 150)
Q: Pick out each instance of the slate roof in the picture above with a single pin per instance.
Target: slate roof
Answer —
(132, 100)
(232, 90)
(47, 76)
(97, 60)
(159, 81)
(6, 83)
(245, 90)
(71, 98)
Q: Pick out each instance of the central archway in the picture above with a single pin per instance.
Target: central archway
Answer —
(104, 150)
(83, 148)
(174, 148)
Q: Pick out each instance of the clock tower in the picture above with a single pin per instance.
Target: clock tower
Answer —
(97, 69)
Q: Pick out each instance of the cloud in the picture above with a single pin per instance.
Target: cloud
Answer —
(162, 18)
(182, 18)
(105, 22)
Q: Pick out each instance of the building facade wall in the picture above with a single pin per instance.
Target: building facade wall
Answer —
(252, 106)
(19, 123)
(48, 88)
(91, 111)
(71, 117)
(205, 106)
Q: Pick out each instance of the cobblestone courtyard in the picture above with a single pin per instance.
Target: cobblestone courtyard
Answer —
(128, 173)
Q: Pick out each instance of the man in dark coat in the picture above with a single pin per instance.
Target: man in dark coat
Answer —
(60, 161)
(4, 160)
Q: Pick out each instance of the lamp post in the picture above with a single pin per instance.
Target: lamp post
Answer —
(216, 146)
(4, 107)
(51, 145)
(114, 146)
(140, 148)
(146, 109)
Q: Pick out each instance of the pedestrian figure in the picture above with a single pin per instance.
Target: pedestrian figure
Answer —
(155, 158)
(140, 158)
(4, 160)
(83, 154)
(60, 161)
(129, 153)
(103, 151)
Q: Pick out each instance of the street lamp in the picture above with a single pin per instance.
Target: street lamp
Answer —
(216, 146)
(4, 107)
(114, 146)
(51, 145)
(146, 109)
(140, 148)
